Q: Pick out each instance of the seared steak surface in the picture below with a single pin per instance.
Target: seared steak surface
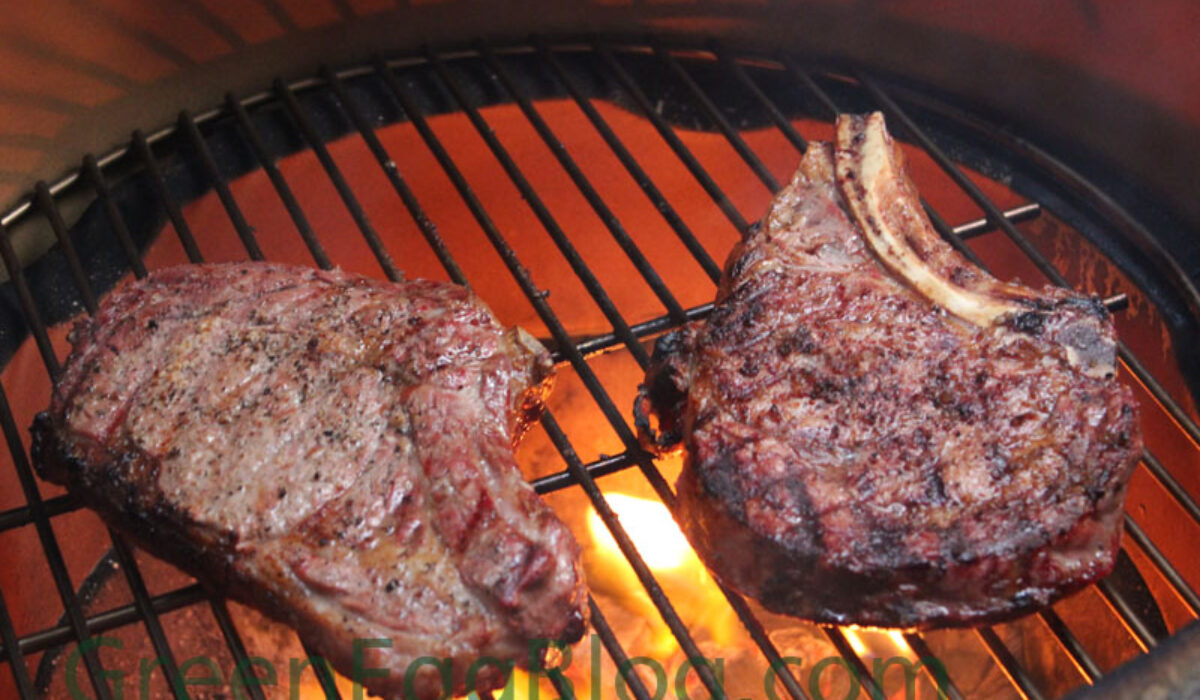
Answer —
(334, 450)
(878, 432)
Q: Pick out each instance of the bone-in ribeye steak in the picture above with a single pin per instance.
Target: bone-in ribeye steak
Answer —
(334, 450)
(877, 431)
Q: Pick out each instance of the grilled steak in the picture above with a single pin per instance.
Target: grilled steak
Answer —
(878, 432)
(334, 450)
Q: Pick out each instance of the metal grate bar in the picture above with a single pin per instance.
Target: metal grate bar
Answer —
(1017, 215)
(145, 609)
(232, 638)
(1168, 571)
(95, 179)
(111, 619)
(219, 609)
(12, 649)
(1128, 615)
(392, 171)
(1133, 622)
(188, 129)
(23, 515)
(451, 266)
(538, 301)
(809, 84)
(237, 648)
(856, 665)
(669, 135)
(309, 133)
(649, 583)
(46, 204)
(647, 271)
(320, 667)
(159, 183)
(1009, 664)
(284, 191)
(601, 467)
(54, 558)
(1182, 419)
(604, 341)
(589, 379)
(985, 203)
(66, 503)
(735, 600)
(1079, 656)
(613, 646)
(129, 565)
(743, 78)
(639, 175)
(758, 634)
(558, 681)
(1172, 485)
(1012, 668)
(944, 685)
(574, 259)
(710, 110)
(32, 318)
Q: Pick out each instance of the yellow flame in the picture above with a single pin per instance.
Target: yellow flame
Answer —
(856, 642)
(667, 553)
(519, 687)
(650, 526)
(901, 643)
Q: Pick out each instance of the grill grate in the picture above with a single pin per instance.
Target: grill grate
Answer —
(740, 73)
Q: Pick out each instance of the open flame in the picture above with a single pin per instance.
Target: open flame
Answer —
(879, 643)
(650, 525)
(674, 563)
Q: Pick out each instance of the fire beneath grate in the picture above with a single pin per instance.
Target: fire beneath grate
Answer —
(588, 193)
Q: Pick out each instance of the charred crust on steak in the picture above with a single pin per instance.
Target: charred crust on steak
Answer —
(657, 408)
(877, 432)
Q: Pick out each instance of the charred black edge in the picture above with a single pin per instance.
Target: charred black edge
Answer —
(151, 524)
(147, 523)
(1032, 322)
(659, 395)
(780, 571)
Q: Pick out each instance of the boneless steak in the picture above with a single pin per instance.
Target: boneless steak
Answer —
(877, 431)
(334, 450)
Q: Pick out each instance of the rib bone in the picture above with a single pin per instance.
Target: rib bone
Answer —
(871, 174)
(870, 170)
